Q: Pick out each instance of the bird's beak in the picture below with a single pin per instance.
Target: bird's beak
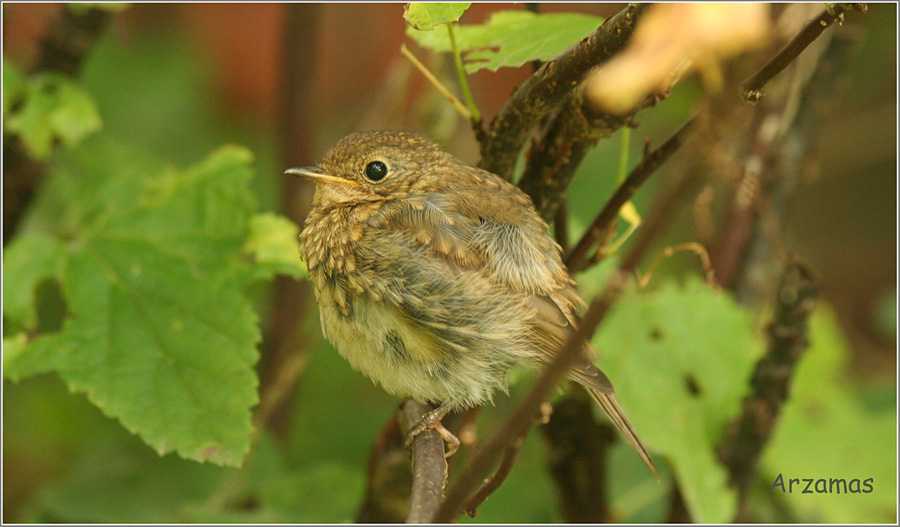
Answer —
(317, 175)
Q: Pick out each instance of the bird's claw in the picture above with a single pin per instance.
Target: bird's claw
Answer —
(432, 421)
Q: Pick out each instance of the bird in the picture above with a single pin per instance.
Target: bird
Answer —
(435, 278)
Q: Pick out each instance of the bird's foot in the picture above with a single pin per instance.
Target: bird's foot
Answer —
(432, 421)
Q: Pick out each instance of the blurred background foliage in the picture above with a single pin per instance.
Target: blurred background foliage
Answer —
(177, 81)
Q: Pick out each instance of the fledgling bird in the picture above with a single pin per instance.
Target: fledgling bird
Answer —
(434, 277)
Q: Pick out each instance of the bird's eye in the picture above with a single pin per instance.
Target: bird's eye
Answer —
(376, 170)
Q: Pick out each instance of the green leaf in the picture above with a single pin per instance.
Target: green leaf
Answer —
(106, 484)
(13, 347)
(425, 16)
(163, 347)
(826, 430)
(274, 246)
(54, 107)
(26, 262)
(13, 85)
(159, 335)
(32, 122)
(75, 115)
(201, 214)
(511, 38)
(680, 359)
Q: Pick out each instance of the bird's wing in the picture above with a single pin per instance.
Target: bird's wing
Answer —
(500, 247)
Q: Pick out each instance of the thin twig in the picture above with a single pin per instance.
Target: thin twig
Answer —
(460, 107)
(274, 394)
(535, 97)
(576, 259)
(497, 479)
(518, 422)
(693, 247)
(429, 466)
(750, 88)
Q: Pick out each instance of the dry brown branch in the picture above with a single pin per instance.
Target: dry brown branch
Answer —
(544, 90)
(750, 88)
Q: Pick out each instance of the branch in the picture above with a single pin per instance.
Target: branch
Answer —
(71, 36)
(429, 466)
(750, 88)
(573, 131)
(576, 260)
(548, 86)
(749, 434)
(771, 167)
(561, 225)
(493, 483)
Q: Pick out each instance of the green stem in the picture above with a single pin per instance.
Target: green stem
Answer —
(464, 83)
(623, 154)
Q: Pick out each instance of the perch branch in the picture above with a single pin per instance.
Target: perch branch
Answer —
(576, 260)
(535, 97)
(429, 466)
(750, 88)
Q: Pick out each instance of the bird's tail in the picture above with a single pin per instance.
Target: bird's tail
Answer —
(610, 405)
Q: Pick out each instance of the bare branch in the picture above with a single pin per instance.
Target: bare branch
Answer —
(750, 88)
(576, 260)
(493, 483)
(561, 225)
(292, 299)
(748, 435)
(535, 97)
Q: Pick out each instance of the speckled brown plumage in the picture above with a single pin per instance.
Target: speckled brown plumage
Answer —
(434, 278)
